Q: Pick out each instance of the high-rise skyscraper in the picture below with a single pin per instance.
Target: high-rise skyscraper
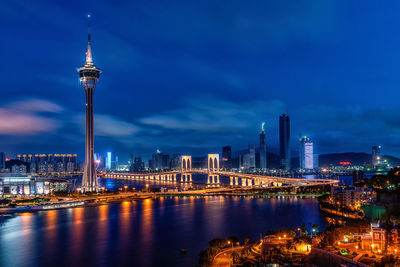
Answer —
(306, 154)
(284, 141)
(160, 161)
(263, 152)
(227, 157)
(175, 162)
(108, 161)
(252, 157)
(376, 155)
(89, 75)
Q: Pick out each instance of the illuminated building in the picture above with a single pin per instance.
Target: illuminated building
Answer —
(45, 163)
(70, 167)
(23, 185)
(263, 152)
(375, 240)
(174, 163)
(227, 157)
(306, 154)
(159, 162)
(89, 75)
(32, 167)
(284, 141)
(252, 157)
(352, 196)
(18, 169)
(244, 161)
(138, 165)
(108, 161)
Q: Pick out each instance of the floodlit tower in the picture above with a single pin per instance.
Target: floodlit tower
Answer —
(89, 75)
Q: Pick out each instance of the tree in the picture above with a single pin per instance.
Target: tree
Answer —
(207, 255)
(292, 233)
(233, 239)
(246, 240)
(303, 230)
(218, 243)
(314, 229)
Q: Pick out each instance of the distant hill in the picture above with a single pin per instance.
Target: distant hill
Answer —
(354, 158)
(273, 160)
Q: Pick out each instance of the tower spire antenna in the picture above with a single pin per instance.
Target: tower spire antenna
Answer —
(89, 59)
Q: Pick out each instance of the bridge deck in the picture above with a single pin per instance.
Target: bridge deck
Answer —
(260, 179)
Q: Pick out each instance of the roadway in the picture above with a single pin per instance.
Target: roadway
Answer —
(247, 180)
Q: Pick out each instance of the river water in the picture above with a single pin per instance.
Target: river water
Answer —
(147, 232)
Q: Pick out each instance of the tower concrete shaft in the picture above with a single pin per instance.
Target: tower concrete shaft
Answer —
(89, 75)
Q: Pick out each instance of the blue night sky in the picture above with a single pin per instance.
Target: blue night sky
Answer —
(191, 76)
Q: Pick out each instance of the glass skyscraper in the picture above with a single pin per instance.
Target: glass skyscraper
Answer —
(252, 157)
(284, 141)
(306, 154)
(263, 152)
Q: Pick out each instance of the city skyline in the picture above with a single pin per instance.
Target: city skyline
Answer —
(189, 116)
(208, 133)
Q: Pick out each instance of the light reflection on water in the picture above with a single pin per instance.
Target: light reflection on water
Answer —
(149, 232)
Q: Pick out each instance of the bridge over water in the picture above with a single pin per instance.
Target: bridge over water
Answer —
(213, 178)
(213, 172)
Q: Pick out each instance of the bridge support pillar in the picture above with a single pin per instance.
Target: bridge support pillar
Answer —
(230, 180)
(174, 177)
(236, 180)
(217, 178)
(249, 182)
(244, 181)
(212, 179)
